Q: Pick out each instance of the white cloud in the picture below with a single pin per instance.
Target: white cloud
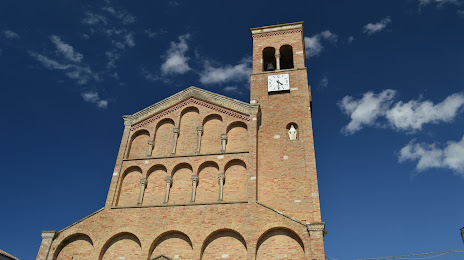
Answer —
(92, 18)
(176, 62)
(439, 3)
(414, 114)
(324, 82)
(350, 39)
(428, 156)
(313, 44)
(66, 50)
(230, 89)
(224, 74)
(365, 111)
(372, 28)
(10, 35)
(152, 34)
(81, 74)
(409, 116)
(94, 98)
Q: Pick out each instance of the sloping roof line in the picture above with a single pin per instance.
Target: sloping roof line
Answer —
(191, 92)
(7, 255)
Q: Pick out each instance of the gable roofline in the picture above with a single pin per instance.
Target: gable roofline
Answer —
(191, 92)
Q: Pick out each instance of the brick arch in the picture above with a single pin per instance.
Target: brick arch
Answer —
(156, 185)
(122, 243)
(208, 187)
(163, 137)
(237, 137)
(188, 122)
(129, 186)
(171, 243)
(235, 181)
(224, 241)
(75, 243)
(138, 146)
(212, 130)
(280, 242)
(181, 189)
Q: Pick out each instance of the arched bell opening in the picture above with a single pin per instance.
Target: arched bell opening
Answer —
(286, 57)
(269, 60)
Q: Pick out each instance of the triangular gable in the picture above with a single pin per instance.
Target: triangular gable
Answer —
(196, 96)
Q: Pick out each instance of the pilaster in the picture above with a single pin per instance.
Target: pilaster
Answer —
(47, 239)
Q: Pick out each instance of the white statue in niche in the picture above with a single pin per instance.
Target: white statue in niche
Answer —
(292, 133)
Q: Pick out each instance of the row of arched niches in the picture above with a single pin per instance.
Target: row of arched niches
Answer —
(174, 160)
(179, 136)
(275, 243)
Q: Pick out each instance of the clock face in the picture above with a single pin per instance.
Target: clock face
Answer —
(278, 82)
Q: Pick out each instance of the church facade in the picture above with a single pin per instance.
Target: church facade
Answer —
(203, 176)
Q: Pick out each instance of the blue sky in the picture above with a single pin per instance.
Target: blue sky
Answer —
(387, 84)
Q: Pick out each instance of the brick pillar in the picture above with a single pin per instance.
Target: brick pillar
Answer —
(47, 239)
(316, 234)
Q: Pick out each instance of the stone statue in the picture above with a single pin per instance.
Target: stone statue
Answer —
(292, 133)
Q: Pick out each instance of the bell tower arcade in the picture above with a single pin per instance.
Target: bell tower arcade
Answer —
(287, 178)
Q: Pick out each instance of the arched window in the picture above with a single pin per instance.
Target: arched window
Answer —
(286, 57)
(269, 60)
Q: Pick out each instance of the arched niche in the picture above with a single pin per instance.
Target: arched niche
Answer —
(122, 245)
(297, 131)
(181, 189)
(237, 137)
(269, 60)
(130, 186)
(173, 244)
(286, 57)
(235, 183)
(224, 243)
(138, 147)
(79, 244)
(163, 138)
(212, 130)
(280, 242)
(208, 188)
(156, 185)
(189, 120)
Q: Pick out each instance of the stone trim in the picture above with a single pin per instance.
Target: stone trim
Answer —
(82, 219)
(278, 27)
(202, 97)
(48, 234)
(178, 156)
(180, 204)
(315, 226)
(280, 213)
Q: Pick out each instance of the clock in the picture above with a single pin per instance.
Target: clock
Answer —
(278, 82)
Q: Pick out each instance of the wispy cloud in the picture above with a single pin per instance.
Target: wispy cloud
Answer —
(94, 98)
(313, 44)
(11, 35)
(113, 23)
(410, 116)
(372, 28)
(66, 50)
(324, 82)
(225, 74)
(176, 61)
(439, 3)
(153, 34)
(66, 59)
(450, 156)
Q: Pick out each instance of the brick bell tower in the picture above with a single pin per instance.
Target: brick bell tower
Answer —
(287, 179)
